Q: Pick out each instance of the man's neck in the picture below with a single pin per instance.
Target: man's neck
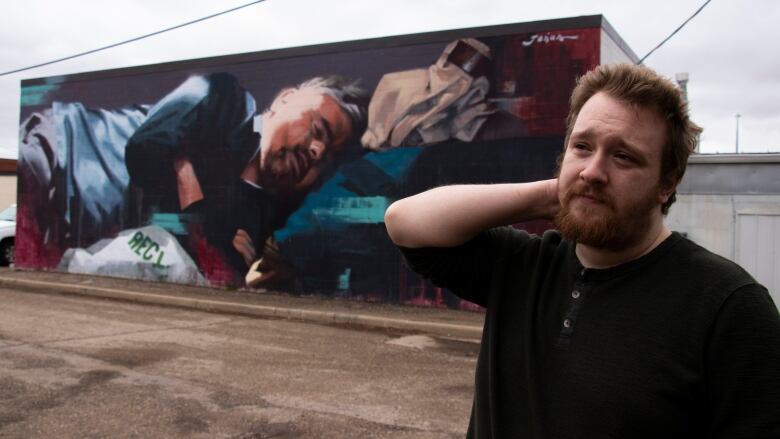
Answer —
(594, 257)
(251, 172)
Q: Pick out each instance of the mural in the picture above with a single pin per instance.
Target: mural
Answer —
(275, 171)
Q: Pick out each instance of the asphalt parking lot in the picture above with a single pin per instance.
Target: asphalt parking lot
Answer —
(73, 365)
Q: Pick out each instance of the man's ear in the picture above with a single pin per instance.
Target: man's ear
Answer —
(281, 99)
(667, 189)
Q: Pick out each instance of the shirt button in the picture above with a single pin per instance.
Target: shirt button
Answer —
(575, 294)
(567, 323)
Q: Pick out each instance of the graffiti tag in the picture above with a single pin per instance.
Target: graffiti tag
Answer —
(146, 248)
(549, 38)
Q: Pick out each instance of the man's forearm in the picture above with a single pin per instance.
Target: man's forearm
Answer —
(187, 184)
(451, 215)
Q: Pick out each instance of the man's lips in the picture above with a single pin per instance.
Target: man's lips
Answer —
(591, 198)
(588, 196)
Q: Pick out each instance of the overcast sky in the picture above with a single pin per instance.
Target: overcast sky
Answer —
(729, 50)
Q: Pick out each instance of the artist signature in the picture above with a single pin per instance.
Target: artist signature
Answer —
(548, 37)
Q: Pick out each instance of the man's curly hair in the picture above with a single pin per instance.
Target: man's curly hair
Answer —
(640, 86)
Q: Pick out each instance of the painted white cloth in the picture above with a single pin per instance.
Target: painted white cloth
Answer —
(148, 253)
(426, 106)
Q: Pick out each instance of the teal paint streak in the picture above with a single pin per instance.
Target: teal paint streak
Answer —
(36, 94)
(354, 210)
(172, 222)
(303, 219)
(324, 209)
(394, 162)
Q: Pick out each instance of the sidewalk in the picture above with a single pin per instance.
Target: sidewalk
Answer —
(316, 309)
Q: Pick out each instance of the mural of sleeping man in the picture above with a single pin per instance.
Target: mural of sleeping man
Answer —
(198, 159)
(274, 172)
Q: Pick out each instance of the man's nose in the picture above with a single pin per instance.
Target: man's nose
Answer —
(595, 170)
(316, 150)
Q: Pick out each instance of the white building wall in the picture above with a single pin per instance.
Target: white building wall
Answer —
(707, 220)
(757, 248)
(722, 224)
(7, 190)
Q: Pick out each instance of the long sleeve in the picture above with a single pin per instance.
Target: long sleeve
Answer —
(743, 367)
(466, 269)
(206, 118)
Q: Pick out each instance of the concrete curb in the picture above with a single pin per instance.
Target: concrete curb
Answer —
(307, 315)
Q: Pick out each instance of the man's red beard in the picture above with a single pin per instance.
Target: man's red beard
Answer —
(603, 225)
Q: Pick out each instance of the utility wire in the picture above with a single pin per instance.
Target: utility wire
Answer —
(260, 1)
(675, 31)
(132, 39)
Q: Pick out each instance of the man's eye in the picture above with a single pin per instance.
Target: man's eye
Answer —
(316, 131)
(580, 146)
(624, 157)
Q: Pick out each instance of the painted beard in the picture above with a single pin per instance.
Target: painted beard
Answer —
(604, 226)
(286, 167)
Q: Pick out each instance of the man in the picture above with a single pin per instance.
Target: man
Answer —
(197, 156)
(613, 326)
(207, 159)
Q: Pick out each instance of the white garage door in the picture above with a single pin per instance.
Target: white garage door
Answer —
(758, 249)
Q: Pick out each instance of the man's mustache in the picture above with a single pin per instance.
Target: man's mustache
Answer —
(289, 161)
(581, 189)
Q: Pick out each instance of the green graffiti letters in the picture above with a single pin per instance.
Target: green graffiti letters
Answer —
(146, 248)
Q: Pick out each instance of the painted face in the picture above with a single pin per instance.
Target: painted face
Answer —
(302, 133)
(609, 182)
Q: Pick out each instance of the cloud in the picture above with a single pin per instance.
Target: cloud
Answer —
(727, 49)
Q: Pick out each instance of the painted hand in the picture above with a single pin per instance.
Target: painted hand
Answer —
(244, 245)
(270, 268)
